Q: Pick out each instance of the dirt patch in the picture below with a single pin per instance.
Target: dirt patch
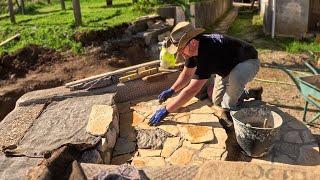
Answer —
(29, 58)
(97, 37)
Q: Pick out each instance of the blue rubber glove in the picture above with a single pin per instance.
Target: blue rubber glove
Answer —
(165, 95)
(158, 116)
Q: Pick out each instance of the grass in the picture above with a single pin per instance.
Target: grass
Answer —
(51, 27)
(250, 26)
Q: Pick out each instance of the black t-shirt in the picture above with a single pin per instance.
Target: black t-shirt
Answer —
(219, 54)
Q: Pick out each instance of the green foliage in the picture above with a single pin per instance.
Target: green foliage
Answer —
(250, 26)
(49, 26)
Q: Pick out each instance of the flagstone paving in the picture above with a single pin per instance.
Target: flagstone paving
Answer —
(193, 136)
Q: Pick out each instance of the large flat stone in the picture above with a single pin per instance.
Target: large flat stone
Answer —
(170, 145)
(62, 122)
(220, 138)
(197, 134)
(91, 156)
(148, 161)
(100, 118)
(182, 156)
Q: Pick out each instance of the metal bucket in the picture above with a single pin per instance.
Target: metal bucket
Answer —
(256, 130)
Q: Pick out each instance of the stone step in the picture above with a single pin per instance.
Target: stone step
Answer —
(151, 35)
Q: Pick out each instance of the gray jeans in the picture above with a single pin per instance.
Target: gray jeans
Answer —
(229, 90)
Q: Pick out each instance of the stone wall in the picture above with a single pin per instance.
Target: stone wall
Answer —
(206, 13)
(291, 17)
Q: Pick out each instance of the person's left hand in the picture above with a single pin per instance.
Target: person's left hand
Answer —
(158, 116)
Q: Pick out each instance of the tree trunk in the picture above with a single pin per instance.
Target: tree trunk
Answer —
(49, 1)
(11, 12)
(134, 1)
(22, 6)
(252, 4)
(109, 2)
(77, 12)
(63, 5)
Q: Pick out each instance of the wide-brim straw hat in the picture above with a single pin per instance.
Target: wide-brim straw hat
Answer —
(181, 34)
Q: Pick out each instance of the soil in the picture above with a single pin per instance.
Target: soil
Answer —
(34, 67)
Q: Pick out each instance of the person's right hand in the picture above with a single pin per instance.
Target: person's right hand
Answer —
(165, 95)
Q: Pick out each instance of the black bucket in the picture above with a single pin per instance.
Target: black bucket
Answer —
(256, 130)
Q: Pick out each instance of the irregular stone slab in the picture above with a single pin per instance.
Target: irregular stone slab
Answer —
(123, 146)
(151, 139)
(91, 156)
(191, 101)
(292, 137)
(62, 122)
(244, 170)
(188, 144)
(309, 155)
(211, 153)
(173, 130)
(182, 156)
(149, 153)
(122, 159)
(196, 134)
(144, 126)
(170, 145)
(100, 118)
(16, 167)
(14, 126)
(148, 161)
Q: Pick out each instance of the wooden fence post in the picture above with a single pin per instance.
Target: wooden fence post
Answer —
(109, 2)
(63, 5)
(77, 12)
(11, 12)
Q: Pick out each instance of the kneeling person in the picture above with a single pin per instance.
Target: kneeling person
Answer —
(234, 62)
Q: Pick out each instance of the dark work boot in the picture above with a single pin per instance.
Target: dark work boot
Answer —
(255, 93)
(224, 116)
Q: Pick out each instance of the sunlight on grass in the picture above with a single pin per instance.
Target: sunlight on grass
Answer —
(49, 26)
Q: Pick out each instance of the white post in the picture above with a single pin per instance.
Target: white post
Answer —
(273, 18)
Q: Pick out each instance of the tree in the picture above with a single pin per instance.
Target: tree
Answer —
(63, 5)
(49, 1)
(11, 12)
(77, 12)
(109, 2)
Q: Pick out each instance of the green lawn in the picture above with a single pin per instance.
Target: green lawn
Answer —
(247, 25)
(49, 26)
